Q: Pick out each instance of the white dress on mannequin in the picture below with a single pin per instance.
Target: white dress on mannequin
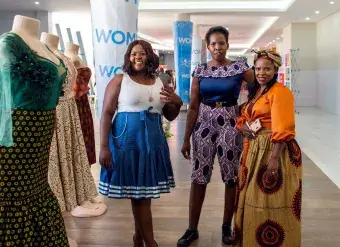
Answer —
(69, 171)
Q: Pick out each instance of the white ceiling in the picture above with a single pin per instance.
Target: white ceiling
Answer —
(250, 22)
(50, 5)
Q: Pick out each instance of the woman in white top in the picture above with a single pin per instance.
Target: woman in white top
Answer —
(134, 152)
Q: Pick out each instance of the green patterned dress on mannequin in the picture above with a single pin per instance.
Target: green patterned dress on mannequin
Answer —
(30, 86)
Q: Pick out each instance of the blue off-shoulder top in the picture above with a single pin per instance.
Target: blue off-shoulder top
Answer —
(220, 84)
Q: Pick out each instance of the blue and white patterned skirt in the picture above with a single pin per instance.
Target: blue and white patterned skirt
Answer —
(141, 166)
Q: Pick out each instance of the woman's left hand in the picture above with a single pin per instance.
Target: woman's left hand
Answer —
(273, 168)
(168, 95)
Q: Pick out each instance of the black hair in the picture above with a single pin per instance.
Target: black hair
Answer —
(152, 62)
(217, 29)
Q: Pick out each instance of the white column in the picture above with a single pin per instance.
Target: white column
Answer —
(46, 21)
(114, 25)
(204, 51)
(300, 62)
(196, 53)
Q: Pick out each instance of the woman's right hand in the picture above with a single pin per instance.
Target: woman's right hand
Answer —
(250, 134)
(186, 149)
(105, 157)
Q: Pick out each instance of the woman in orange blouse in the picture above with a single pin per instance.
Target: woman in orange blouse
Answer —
(270, 178)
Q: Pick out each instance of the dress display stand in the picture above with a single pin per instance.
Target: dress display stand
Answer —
(69, 171)
(81, 88)
(31, 79)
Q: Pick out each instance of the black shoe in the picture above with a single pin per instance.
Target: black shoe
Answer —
(188, 237)
(227, 235)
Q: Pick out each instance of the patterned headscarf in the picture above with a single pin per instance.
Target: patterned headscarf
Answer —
(270, 55)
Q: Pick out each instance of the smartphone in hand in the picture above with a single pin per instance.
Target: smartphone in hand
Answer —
(255, 126)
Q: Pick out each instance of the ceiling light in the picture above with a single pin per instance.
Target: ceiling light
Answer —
(36, 3)
(317, 12)
(277, 38)
(281, 35)
(307, 18)
(274, 40)
(331, 2)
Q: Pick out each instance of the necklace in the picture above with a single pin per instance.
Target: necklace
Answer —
(150, 93)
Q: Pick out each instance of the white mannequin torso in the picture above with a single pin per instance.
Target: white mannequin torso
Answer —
(71, 52)
(28, 29)
(52, 42)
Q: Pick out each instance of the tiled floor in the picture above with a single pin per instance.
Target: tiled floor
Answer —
(321, 199)
(318, 134)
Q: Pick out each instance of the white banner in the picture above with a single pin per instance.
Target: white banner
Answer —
(114, 24)
(204, 52)
(196, 53)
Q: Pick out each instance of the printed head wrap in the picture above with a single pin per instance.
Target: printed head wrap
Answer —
(270, 55)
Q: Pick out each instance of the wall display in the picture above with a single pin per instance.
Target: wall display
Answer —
(183, 45)
(114, 25)
(281, 78)
(285, 70)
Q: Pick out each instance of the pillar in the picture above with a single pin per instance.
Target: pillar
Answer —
(46, 21)
(114, 25)
(204, 51)
(182, 29)
(196, 51)
(300, 62)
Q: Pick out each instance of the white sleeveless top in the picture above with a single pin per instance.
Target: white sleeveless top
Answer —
(134, 97)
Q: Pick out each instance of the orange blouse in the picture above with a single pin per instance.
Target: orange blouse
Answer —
(275, 110)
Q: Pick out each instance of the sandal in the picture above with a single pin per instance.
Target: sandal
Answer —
(137, 242)
(227, 235)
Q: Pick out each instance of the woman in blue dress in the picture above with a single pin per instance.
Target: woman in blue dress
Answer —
(211, 122)
(134, 153)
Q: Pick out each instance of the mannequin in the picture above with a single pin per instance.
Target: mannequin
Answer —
(69, 172)
(81, 89)
(72, 51)
(28, 29)
(28, 101)
(51, 40)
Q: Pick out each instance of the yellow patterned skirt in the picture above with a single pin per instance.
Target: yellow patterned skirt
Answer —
(267, 211)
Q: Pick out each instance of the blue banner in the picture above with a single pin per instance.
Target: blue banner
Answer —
(183, 43)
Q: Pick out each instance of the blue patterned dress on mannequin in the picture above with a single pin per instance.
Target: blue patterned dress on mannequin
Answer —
(30, 86)
(141, 166)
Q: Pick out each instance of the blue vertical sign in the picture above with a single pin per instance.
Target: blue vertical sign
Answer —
(183, 43)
